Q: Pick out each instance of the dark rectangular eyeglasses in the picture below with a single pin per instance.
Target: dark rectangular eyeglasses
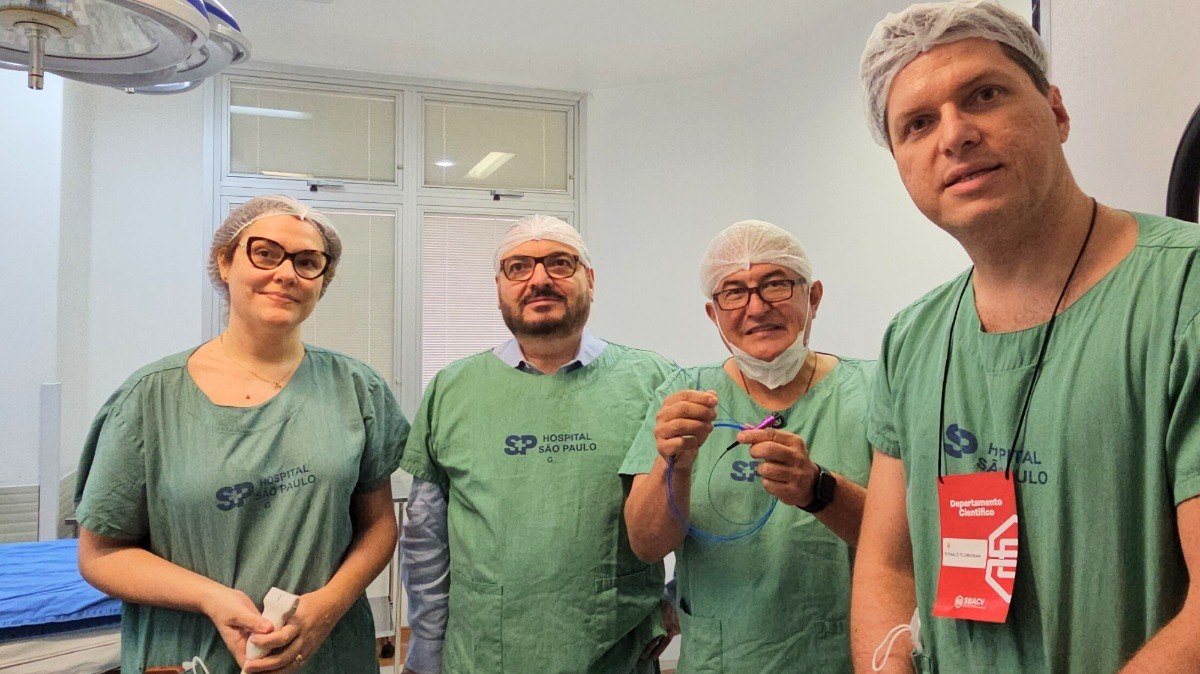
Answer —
(558, 265)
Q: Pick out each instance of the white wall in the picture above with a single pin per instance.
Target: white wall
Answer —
(818, 173)
(75, 265)
(140, 246)
(672, 164)
(31, 137)
(1130, 75)
(665, 173)
(122, 178)
(790, 145)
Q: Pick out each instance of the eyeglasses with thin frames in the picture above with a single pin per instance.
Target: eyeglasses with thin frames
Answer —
(265, 253)
(557, 265)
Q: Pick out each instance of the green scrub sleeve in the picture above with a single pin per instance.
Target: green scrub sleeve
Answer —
(1183, 431)
(386, 432)
(645, 449)
(113, 483)
(868, 372)
(420, 454)
(881, 414)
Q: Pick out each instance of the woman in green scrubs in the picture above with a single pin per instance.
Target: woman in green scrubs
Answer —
(252, 461)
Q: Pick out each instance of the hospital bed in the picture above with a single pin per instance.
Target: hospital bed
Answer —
(51, 620)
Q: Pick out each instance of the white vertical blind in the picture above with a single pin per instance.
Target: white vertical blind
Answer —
(460, 314)
(357, 315)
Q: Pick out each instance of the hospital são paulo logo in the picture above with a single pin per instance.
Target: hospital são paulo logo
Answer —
(549, 443)
(234, 496)
(269, 486)
(516, 445)
(1027, 466)
(959, 441)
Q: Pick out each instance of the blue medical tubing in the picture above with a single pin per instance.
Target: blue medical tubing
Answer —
(772, 421)
(701, 534)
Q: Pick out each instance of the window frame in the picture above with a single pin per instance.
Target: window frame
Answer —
(408, 198)
(474, 193)
(272, 184)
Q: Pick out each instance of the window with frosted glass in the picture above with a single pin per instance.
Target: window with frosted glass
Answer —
(357, 314)
(495, 147)
(304, 133)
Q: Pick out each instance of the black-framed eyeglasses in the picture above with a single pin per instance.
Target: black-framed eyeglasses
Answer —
(775, 290)
(267, 254)
(557, 265)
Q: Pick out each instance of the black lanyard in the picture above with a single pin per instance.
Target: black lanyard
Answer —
(1037, 367)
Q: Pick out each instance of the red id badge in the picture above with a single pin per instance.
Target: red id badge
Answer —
(979, 547)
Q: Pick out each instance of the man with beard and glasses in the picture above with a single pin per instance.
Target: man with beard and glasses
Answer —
(515, 553)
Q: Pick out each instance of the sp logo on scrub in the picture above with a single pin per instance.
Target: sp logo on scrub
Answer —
(229, 498)
(744, 471)
(960, 441)
(519, 444)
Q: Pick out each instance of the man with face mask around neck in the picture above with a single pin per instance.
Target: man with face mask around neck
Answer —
(778, 599)
(516, 500)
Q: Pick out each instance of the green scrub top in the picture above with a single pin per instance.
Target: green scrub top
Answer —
(1111, 446)
(779, 599)
(542, 578)
(252, 497)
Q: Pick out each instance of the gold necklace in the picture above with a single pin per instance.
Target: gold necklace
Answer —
(277, 384)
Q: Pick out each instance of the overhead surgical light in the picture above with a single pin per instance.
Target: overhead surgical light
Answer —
(141, 46)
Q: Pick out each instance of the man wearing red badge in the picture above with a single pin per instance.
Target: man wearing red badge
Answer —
(1037, 419)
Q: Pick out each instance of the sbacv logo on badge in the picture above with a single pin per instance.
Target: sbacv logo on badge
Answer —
(516, 445)
(1002, 557)
(960, 441)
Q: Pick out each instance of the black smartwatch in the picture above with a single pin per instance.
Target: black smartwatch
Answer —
(823, 490)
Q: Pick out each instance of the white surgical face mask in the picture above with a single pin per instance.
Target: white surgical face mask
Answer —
(783, 368)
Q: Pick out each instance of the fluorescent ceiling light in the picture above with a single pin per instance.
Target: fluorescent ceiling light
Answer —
(268, 112)
(488, 165)
(286, 174)
(444, 163)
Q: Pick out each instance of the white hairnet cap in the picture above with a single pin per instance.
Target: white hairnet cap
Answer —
(751, 242)
(539, 227)
(264, 207)
(899, 38)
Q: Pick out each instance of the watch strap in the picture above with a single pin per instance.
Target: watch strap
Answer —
(824, 488)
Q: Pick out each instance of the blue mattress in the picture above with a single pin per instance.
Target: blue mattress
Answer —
(41, 591)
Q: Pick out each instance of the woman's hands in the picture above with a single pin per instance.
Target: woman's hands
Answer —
(294, 643)
(235, 617)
